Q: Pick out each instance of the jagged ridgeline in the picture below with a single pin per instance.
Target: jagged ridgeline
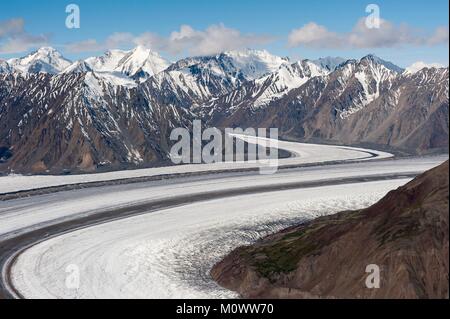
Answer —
(117, 110)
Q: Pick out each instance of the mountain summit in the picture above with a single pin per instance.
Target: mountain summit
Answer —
(389, 65)
(140, 62)
(44, 60)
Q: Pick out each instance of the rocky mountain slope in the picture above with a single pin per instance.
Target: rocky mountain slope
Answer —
(405, 234)
(195, 82)
(362, 101)
(117, 110)
(81, 121)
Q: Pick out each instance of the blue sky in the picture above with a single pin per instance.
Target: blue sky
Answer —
(256, 23)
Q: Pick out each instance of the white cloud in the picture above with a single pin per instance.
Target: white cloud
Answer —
(11, 27)
(14, 38)
(214, 39)
(313, 35)
(439, 36)
(114, 41)
(417, 66)
(150, 40)
(387, 35)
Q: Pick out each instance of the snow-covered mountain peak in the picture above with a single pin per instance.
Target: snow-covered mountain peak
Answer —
(107, 62)
(253, 64)
(44, 60)
(43, 53)
(48, 51)
(138, 60)
(373, 69)
(371, 58)
(142, 59)
(243, 64)
(78, 67)
(262, 55)
(141, 52)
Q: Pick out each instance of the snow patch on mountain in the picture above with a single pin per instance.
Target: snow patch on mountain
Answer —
(143, 59)
(197, 81)
(107, 62)
(99, 82)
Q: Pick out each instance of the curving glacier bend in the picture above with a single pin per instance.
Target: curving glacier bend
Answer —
(302, 154)
(167, 252)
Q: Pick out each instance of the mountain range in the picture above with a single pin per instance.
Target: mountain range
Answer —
(117, 110)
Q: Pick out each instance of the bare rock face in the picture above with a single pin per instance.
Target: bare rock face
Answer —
(80, 121)
(406, 234)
